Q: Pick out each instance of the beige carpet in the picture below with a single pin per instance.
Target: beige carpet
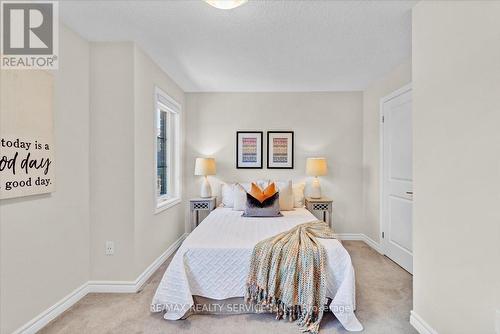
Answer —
(383, 292)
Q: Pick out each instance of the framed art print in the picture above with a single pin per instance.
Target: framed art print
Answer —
(249, 147)
(280, 149)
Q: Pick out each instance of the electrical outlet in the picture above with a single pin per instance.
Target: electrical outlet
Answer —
(110, 247)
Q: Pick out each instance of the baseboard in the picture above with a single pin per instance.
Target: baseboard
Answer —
(53, 312)
(135, 286)
(112, 287)
(62, 305)
(361, 237)
(373, 244)
(150, 270)
(349, 236)
(420, 325)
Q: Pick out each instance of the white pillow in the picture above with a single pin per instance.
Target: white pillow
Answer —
(240, 197)
(246, 186)
(286, 195)
(298, 195)
(228, 195)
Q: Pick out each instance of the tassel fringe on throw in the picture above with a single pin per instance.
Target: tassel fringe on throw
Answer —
(287, 275)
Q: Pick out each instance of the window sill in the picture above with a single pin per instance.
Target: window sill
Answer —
(166, 204)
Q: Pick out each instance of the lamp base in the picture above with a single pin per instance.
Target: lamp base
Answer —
(206, 190)
(315, 189)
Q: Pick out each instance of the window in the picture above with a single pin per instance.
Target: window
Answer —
(167, 157)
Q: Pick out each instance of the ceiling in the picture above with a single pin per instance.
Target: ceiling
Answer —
(260, 46)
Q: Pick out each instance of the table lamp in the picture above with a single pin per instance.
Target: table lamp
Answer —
(205, 167)
(316, 167)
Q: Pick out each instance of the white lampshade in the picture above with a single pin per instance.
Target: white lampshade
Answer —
(204, 166)
(316, 167)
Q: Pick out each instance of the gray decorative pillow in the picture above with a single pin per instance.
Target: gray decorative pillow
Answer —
(268, 208)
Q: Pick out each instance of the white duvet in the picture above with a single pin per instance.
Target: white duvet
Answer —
(213, 262)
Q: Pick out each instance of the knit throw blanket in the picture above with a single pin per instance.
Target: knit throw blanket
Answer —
(287, 275)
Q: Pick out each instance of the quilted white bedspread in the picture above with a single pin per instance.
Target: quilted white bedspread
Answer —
(213, 262)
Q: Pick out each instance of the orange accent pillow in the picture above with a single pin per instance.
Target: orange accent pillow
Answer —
(262, 195)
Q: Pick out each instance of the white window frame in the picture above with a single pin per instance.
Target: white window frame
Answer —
(164, 103)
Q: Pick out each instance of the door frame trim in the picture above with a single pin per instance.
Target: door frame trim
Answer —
(382, 223)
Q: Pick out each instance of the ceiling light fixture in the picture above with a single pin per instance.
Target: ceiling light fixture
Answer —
(225, 4)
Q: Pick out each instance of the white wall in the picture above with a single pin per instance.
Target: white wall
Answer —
(123, 203)
(395, 79)
(325, 124)
(154, 233)
(44, 238)
(112, 160)
(456, 108)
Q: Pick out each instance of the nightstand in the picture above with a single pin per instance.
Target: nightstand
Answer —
(200, 204)
(321, 208)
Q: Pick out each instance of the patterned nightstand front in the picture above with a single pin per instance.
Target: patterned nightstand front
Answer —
(200, 204)
(321, 207)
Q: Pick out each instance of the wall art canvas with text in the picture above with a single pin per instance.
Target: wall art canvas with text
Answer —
(27, 165)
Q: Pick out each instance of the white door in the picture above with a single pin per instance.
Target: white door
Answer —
(397, 177)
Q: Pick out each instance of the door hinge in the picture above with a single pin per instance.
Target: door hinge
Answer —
(383, 235)
(383, 119)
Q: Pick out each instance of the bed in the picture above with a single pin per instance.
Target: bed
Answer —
(213, 263)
